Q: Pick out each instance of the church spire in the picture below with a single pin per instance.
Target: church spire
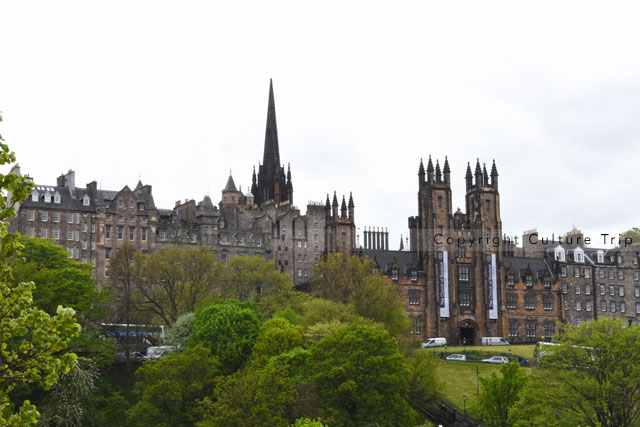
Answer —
(271, 158)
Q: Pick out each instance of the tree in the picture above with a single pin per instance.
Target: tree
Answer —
(499, 394)
(634, 233)
(252, 278)
(229, 330)
(361, 376)
(596, 370)
(174, 280)
(276, 336)
(171, 388)
(180, 332)
(424, 383)
(356, 281)
(30, 339)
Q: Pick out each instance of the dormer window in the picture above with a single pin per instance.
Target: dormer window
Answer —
(546, 280)
(600, 257)
(528, 280)
(414, 275)
(56, 197)
(86, 200)
(35, 196)
(394, 274)
(141, 206)
(578, 256)
(511, 279)
(47, 197)
(559, 255)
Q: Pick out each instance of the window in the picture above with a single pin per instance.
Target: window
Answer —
(77, 218)
(576, 271)
(439, 201)
(464, 298)
(566, 305)
(194, 237)
(305, 244)
(300, 243)
(315, 237)
(578, 306)
(601, 272)
(70, 251)
(587, 273)
(487, 205)
(603, 290)
(34, 196)
(513, 328)
(529, 302)
(56, 217)
(636, 275)
(84, 245)
(107, 233)
(120, 218)
(69, 234)
(462, 252)
(163, 235)
(93, 246)
(44, 216)
(56, 197)
(284, 228)
(77, 235)
(394, 274)
(107, 253)
(84, 227)
(69, 218)
(612, 290)
(587, 289)
(463, 273)
(131, 204)
(511, 279)
(619, 259)
(577, 289)
(306, 272)
(587, 305)
(145, 219)
(144, 234)
(299, 257)
(637, 291)
(621, 291)
(85, 200)
(600, 257)
(30, 215)
(132, 219)
(56, 233)
(414, 297)
(258, 240)
(564, 288)
(547, 303)
(549, 329)
(344, 238)
(315, 250)
(612, 307)
(623, 308)
(416, 325)
(531, 329)
(106, 272)
(528, 280)
(77, 252)
(414, 275)
(120, 203)
(560, 255)
(638, 308)
(223, 239)
(603, 306)
(546, 280)
(299, 272)
(315, 226)
(579, 256)
(43, 233)
(306, 259)
(120, 230)
(512, 301)
(563, 271)
(611, 274)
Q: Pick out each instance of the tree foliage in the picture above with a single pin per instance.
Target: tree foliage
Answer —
(252, 278)
(30, 339)
(229, 330)
(361, 377)
(499, 394)
(171, 388)
(596, 368)
(355, 281)
(424, 383)
(276, 336)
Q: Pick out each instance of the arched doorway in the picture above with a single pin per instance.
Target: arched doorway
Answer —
(467, 332)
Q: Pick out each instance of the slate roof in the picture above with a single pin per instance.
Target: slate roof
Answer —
(520, 265)
(385, 259)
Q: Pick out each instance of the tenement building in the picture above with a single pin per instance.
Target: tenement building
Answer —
(93, 223)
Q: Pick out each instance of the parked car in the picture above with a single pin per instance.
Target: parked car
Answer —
(154, 353)
(458, 357)
(494, 341)
(134, 356)
(496, 359)
(434, 342)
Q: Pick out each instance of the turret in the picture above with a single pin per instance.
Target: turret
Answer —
(343, 208)
(351, 208)
(469, 177)
(485, 175)
(447, 172)
(478, 174)
(430, 171)
(289, 184)
(438, 173)
(334, 205)
(421, 174)
(494, 175)
(327, 208)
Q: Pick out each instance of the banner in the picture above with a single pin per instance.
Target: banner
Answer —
(443, 283)
(492, 286)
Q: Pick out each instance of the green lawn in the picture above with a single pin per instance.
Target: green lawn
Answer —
(459, 379)
(525, 350)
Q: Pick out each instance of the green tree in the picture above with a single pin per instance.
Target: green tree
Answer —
(276, 336)
(229, 330)
(252, 278)
(596, 368)
(361, 377)
(634, 233)
(499, 394)
(251, 397)
(30, 339)
(171, 388)
(174, 280)
(306, 422)
(356, 281)
(424, 383)
(180, 332)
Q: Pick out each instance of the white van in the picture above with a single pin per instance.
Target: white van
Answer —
(494, 341)
(154, 353)
(434, 342)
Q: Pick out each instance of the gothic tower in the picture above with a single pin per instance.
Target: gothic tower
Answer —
(340, 227)
(272, 183)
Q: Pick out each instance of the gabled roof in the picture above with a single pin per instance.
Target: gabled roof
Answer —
(231, 186)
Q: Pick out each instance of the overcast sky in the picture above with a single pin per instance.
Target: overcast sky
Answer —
(175, 93)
